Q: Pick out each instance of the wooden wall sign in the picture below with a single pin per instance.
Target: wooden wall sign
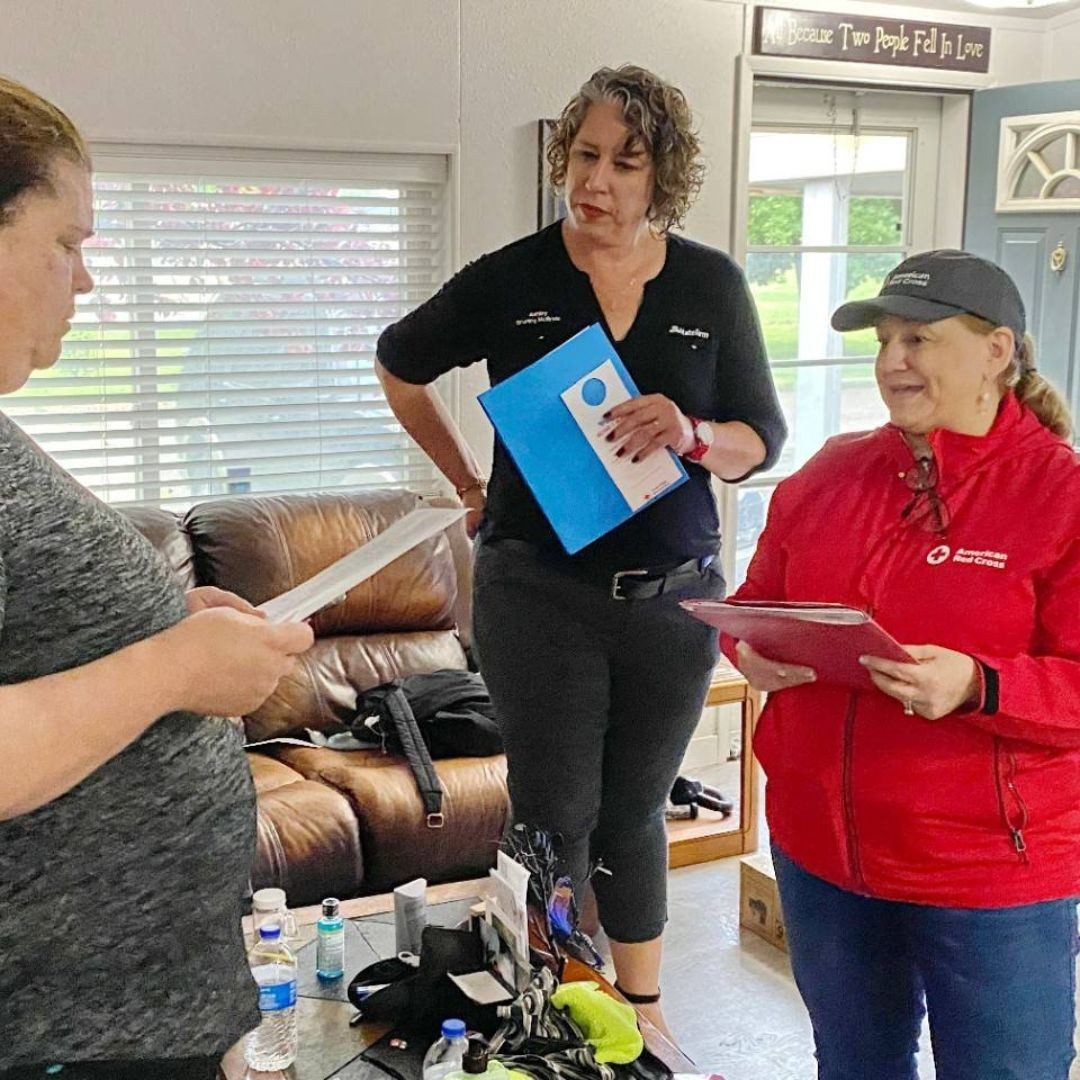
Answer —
(821, 35)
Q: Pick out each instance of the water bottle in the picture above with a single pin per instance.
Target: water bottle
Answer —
(446, 1054)
(330, 942)
(273, 1044)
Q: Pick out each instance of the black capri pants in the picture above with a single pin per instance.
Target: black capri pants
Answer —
(597, 699)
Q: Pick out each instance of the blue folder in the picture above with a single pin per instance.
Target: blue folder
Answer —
(562, 469)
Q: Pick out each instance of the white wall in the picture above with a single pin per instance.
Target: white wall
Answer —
(1063, 48)
(308, 72)
(470, 74)
(414, 73)
(521, 61)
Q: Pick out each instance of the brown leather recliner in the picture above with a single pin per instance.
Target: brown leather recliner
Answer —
(345, 823)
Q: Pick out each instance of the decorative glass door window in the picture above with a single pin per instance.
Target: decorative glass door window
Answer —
(1039, 163)
(841, 189)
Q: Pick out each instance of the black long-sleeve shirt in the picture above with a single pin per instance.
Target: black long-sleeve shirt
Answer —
(696, 339)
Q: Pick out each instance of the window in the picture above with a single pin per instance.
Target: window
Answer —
(1039, 163)
(228, 346)
(841, 187)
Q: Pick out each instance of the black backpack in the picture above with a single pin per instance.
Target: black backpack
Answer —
(441, 714)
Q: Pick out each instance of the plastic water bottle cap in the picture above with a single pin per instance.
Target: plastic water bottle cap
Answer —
(268, 899)
(453, 1029)
(269, 932)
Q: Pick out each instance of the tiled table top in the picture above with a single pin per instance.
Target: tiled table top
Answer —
(329, 1048)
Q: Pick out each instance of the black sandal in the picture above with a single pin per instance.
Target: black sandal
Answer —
(638, 999)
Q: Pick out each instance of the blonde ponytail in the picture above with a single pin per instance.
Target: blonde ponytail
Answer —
(1037, 392)
(1031, 389)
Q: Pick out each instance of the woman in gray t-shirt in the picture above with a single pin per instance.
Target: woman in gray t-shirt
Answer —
(126, 809)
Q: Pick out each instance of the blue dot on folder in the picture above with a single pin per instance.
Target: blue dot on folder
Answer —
(594, 391)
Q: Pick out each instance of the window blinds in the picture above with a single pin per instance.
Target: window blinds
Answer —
(228, 345)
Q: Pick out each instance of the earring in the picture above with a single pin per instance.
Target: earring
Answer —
(984, 395)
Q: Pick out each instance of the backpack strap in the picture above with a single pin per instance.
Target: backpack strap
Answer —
(416, 753)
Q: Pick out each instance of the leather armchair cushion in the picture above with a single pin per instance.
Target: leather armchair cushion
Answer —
(260, 546)
(308, 843)
(166, 532)
(396, 841)
(268, 774)
(323, 689)
(461, 548)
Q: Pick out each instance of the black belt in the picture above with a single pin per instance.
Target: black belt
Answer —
(647, 583)
(640, 584)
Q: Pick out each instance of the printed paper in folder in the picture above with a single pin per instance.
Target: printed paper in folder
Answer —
(549, 416)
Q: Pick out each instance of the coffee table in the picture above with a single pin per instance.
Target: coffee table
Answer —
(329, 1048)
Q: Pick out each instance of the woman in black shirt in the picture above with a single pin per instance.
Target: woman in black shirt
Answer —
(597, 676)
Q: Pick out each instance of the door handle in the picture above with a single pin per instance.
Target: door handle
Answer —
(1058, 257)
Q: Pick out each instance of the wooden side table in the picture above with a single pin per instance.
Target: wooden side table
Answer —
(713, 837)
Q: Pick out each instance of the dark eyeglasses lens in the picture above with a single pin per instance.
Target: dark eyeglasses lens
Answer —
(923, 476)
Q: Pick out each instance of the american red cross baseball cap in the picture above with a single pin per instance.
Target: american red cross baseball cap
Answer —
(936, 285)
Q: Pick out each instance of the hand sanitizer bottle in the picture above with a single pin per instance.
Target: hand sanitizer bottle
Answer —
(330, 942)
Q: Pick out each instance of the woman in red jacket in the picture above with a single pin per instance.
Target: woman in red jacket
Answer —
(927, 834)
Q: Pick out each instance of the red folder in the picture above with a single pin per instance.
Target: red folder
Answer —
(829, 638)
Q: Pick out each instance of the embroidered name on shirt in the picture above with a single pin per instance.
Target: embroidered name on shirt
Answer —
(693, 331)
(536, 317)
(968, 557)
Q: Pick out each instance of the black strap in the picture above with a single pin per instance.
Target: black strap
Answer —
(991, 689)
(638, 999)
(416, 753)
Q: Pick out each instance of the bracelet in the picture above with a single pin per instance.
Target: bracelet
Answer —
(476, 485)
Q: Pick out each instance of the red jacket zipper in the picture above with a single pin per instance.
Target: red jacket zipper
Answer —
(1004, 781)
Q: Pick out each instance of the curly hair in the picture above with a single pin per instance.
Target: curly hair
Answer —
(659, 119)
(33, 134)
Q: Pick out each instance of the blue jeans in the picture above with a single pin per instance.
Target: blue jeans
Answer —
(998, 983)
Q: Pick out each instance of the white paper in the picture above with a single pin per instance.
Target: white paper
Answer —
(505, 897)
(283, 740)
(638, 481)
(482, 987)
(509, 885)
(332, 584)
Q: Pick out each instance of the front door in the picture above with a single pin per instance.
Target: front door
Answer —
(842, 185)
(1023, 211)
